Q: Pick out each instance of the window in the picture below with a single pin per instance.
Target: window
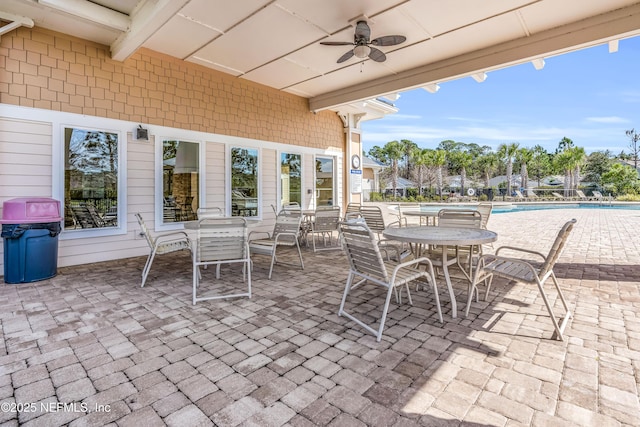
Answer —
(290, 182)
(244, 182)
(90, 179)
(324, 181)
(180, 180)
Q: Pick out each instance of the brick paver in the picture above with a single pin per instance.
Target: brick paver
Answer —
(144, 356)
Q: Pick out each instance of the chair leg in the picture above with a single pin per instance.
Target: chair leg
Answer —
(147, 267)
(384, 313)
(347, 289)
(300, 255)
(196, 276)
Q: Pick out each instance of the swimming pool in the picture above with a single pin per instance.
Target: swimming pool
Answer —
(523, 207)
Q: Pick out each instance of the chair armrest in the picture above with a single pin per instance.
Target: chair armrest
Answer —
(277, 237)
(512, 248)
(519, 261)
(255, 232)
(175, 235)
(406, 264)
(385, 245)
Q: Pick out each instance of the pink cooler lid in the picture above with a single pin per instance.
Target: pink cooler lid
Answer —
(30, 210)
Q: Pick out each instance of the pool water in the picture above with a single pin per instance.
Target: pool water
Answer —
(503, 208)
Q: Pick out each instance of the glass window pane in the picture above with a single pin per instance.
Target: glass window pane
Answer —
(324, 181)
(290, 182)
(180, 180)
(90, 179)
(244, 182)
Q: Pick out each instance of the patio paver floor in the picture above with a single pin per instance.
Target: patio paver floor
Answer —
(136, 356)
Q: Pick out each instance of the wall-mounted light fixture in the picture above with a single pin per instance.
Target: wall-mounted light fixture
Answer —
(142, 134)
(613, 46)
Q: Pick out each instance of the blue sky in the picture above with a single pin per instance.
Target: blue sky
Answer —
(590, 96)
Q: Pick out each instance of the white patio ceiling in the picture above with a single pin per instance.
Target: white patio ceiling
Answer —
(277, 42)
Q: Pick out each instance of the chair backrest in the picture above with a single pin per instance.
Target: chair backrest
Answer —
(352, 208)
(222, 238)
(145, 231)
(362, 250)
(485, 209)
(558, 195)
(580, 194)
(287, 223)
(518, 194)
(597, 194)
(326, 219)
(373, 217)
(464, 218)
(557, 247)
(211, 212)
(291, 208)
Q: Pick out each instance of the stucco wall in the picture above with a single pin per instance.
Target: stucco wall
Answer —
(49, 70)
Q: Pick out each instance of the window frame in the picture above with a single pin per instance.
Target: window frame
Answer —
(228, 180)
(160, 225)
(93, 124)
(279, 154)
(334, 177)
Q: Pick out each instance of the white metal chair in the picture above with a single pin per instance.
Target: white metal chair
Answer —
(460, 218)
(161, 244)
(212, 212)
(325, 224)
(367, 264)
(286, 233)
(221, 241)
(525, 271)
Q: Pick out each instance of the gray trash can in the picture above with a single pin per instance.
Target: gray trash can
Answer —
(30, 229)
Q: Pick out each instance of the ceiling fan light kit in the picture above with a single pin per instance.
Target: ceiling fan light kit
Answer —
(363, 46)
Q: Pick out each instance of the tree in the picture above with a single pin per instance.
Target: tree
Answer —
(461, 160)
(622, 179)
(507, 152)
(634, 146)
(421, 159)
(578, 158)
(540, 164)
(523, 157)
(409, 149)
(488, 164)
(562, 162)
(378, 154)
(439, 160)
(596, 165)
(394, 152)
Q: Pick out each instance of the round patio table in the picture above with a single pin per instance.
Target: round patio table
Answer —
(442, 236)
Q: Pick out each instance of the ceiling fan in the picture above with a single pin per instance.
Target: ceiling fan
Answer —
(363, 47)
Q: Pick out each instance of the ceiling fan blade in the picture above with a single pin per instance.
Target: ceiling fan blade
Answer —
(388, 40)
(377, 55)
(345, 56)
(336, 43)
(363, 30)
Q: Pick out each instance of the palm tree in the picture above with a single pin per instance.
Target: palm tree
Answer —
(507, 152)
(578, 159)
(439, 160)
(488, 164)
(563, 162)
(461, 160)
(421, 159)
(409, 149)
(524, 156)
(394, 152)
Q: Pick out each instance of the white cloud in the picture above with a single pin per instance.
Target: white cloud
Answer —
(610, 119)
